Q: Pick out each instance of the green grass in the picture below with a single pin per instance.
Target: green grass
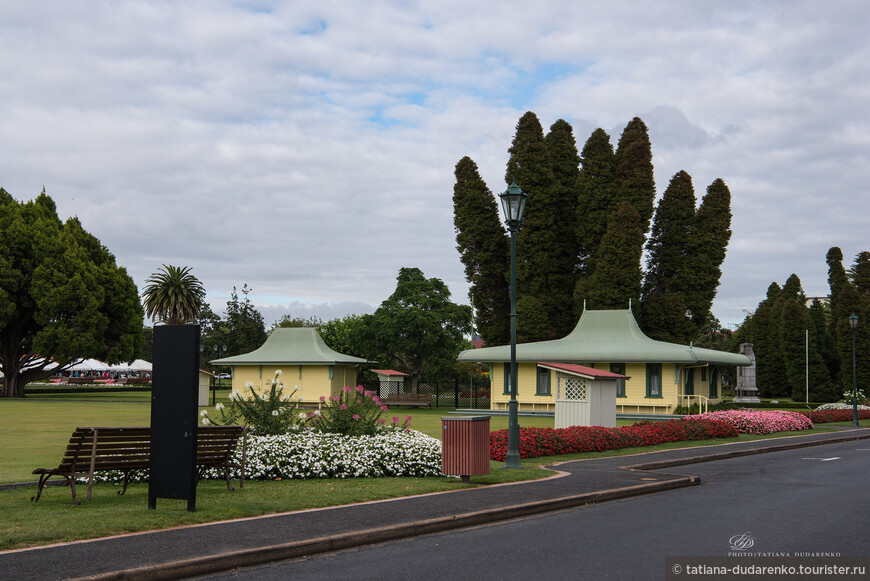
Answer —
(35, 432)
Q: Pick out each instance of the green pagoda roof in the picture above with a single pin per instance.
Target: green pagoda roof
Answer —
(606, 336)
(293, 346)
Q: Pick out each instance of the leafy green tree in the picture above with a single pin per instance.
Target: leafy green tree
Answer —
(617, 276)
(664, 313)
(341, 334)
(633, 178)
(596, 200)
(484, 250)
(295, 322)
(173, 296)
(62, 297)
(246, 330)
(417, 330)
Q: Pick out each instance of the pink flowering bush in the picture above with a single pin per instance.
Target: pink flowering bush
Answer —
(355, 412)
(749, 421)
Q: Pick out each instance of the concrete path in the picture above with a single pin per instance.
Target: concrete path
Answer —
(213, 547)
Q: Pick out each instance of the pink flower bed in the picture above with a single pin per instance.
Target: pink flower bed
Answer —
(749, 421)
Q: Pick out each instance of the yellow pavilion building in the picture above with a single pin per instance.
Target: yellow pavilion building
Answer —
(306, 363)
(659, 376)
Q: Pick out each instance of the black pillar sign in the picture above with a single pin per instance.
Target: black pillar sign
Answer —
(174, 406)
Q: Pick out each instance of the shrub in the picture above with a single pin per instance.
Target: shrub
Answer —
(536, 442)
(748, 421)
(355, 412)
(268, 413)
(849, 395)
(844, 414)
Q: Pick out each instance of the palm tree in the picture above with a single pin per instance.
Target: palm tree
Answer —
(173, 296)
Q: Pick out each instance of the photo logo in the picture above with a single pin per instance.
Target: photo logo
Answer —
(742, 542)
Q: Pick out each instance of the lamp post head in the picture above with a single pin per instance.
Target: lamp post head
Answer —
(853, 321)
(513, 202)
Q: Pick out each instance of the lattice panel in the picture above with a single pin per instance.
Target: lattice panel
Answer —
(574, 388)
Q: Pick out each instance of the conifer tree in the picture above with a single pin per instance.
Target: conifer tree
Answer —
(633, 178)
(596, 200)
(823, 379)
(484, 250)
(848, 299)
(529, 167)
(664, 311)
(708, 242)
(791, 326)
(859, 274)
(565, 168)
(617, 278)
(765, 339)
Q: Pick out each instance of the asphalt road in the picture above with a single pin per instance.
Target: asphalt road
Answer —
(809, 500)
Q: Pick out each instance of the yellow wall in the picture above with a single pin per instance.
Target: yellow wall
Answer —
(311, 381)
(635, 400)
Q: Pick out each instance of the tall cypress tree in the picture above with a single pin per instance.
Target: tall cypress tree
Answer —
(792, 322)
(663, 306)
(484, 250)
(617, 278)
(565, 168)
(708, 242)
(529, 167)
(596, 200)
(633, 177)
(859, 274)
(823, 385)
(765, 334)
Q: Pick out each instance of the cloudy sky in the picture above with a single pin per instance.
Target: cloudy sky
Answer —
(307, 149)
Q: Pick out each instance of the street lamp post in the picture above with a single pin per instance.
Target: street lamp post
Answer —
(853, 322)
(513, 202)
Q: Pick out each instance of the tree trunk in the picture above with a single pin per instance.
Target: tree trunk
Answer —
(12, 387)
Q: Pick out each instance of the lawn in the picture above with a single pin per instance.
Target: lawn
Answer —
(35, 432)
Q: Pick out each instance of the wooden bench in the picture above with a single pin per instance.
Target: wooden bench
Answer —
(81, 380)
(93, 450)
(135, 380)
(408, 399)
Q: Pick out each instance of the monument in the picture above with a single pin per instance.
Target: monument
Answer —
(747, 392)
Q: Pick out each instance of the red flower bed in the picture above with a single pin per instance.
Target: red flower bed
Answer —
(536, 442)
(825, 416)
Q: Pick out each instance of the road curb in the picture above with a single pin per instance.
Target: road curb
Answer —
(260, 556)
(658, 465)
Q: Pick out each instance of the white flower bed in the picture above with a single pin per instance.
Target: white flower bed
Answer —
(840, 406)
(308, 454)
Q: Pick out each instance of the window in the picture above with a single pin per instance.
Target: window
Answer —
(620, 383)
(543, 383)
(703, 374)
(507, 379)
(690, 381)
(714, 388)
(653, 379)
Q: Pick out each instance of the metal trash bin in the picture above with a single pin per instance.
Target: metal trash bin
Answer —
(465, 446)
